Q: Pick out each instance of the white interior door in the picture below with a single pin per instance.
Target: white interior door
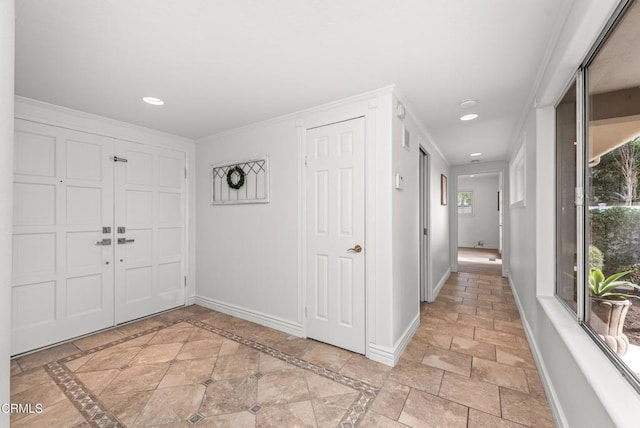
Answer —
(63, 197)
(150, 232)
(335, 232)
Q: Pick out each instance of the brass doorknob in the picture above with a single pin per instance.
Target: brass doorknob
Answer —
(356, 249)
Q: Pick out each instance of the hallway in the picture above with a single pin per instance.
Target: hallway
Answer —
(468, 365)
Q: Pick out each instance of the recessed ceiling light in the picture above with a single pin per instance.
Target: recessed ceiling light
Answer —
(469, 103)
(476, 154)
(153, 101)
(470, 116)
(471, 176)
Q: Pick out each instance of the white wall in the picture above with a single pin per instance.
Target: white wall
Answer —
(583, 387)
(60, 116)
(482, 225)
(406, 223)
(7, 38)
(249, 256)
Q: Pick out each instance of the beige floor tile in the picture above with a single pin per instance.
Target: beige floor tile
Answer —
(228, 347)
(330, 410)
(535, 385)
(477, 303)
(188, 372)
(515, 357)
(491, 298)
(525, 409)
(327, 356)
(137, 378)
(45, 356)
(474, 348)
(46, 394)
(448, 360)
(364, 369)
(163, 408)
(320, 386)
(372, 419)
(110, 358)
(390, 400)
(496, 337)
(462, 309)
(29, 379)
(471, 393)
(199, 349)
(418, 376)
(99, 380)
(456, 330)
(139, 326)
(233, 420)
(478, 419)
(287, 415)
(173, 334)
(126, 407)
(140, 341)
(15, 368)
(513, 327)
(432, 338)
(269, 364)
(426, 410)
(500, 374)
(475, 321)
(155, 354)
(230, 396)
(283, 387)
(60, 414)
(236, 366)
(99, 339)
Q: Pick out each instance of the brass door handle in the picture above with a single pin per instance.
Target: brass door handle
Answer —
(356, 249)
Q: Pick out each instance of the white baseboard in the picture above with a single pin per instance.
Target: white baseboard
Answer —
(253, 316)
(191, 300)
(558, 414)
(440, 284)
(390, 356)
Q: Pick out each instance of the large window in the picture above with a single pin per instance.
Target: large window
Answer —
(597, 195)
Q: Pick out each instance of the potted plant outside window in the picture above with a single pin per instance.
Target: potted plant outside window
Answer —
(609, 306)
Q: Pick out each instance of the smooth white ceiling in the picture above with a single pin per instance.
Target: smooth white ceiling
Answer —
(226, 63)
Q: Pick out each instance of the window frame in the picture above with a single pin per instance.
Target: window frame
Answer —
(582, 110)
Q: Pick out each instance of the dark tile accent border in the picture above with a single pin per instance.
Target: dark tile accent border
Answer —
(89, 406)
(97, 415)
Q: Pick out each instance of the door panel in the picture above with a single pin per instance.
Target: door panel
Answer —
(63, 196)
(150, 205)
(335, 224)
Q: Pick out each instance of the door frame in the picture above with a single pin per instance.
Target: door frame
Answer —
(367, 110)
(426, 289)
(499, 167)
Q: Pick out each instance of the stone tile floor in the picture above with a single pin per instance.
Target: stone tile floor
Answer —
(468, 365)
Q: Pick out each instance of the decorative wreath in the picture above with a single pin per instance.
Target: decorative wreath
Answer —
(236, 170)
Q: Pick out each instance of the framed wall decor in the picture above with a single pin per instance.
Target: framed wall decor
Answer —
(443, 189)
(465, 202)
(243, 182)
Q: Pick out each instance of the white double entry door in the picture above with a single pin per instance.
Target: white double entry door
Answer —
(99, 233)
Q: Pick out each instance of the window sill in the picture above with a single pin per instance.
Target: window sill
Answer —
(615, 393)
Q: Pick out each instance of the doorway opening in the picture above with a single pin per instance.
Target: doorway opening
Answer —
(479, 220)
